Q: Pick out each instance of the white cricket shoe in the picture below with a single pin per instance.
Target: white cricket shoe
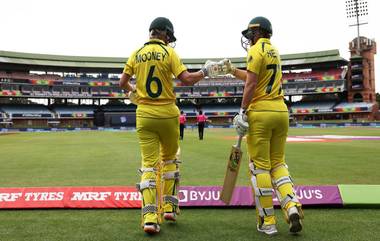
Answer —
(172, 216)
(267, 229)
(295, 224)
(151, 228)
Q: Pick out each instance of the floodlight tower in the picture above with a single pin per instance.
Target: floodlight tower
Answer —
(356, 9)
(361, 68)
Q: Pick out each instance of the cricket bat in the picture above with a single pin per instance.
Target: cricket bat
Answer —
(232, 172)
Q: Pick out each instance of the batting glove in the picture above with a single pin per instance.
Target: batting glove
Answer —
(227, 67)
(208, 68)
(132, 95)
(240, 123)
(221, 68)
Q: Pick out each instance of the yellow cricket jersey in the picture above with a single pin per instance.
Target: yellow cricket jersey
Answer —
(154, 65)
(264, 60)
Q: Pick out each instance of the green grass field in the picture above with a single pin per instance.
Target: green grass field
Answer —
(97, 158)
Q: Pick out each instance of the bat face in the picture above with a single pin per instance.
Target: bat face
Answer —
(232, 172)
(235, 158)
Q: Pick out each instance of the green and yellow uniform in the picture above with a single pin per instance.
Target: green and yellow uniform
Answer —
(157, 116)
(268, 126)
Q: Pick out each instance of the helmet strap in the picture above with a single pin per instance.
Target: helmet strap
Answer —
(172, 44)
(245, 43)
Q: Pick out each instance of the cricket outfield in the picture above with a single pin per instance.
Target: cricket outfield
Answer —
(99, 158)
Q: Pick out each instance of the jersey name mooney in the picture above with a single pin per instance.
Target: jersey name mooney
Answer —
(150, 56)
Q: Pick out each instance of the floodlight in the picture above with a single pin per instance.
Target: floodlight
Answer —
(356, 9)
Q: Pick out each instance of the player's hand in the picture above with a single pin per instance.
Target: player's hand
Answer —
(132, 95)
(209, 68)
(241, 123)
(226, 66)
(221, 68)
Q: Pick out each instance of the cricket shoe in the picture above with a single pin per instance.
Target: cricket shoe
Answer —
(151, 228)
(295, 224)
(170, 216)
(267, 229)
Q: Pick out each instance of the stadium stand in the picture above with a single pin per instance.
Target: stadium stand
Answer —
(3, 120)
(21, 111)
(354, 107)
(317, 85)
(329, 74)
(116, 115)
(312, 107)
(74, 111)
(30, 115)
(74, 115)
(220, 110)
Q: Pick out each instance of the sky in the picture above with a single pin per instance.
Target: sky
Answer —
(204, 29)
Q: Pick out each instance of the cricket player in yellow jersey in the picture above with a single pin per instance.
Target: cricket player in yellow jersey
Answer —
(154, 65)
(264, 109)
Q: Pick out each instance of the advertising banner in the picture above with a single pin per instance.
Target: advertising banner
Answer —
(129, 197)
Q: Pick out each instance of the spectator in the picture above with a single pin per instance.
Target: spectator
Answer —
(182, 121)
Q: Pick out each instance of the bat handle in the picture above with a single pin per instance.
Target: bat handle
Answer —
(239, 141)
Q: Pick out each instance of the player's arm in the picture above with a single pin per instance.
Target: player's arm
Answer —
(190, 78)
(124, 82)
(210, 68)
(249, 89)
(240, 74)
(179, 70)
(126, 85)
(227, 66)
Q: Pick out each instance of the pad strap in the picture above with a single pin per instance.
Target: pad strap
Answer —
(171, 199)
(171, 175)
(167, 162)
(255, 171)
(263, 191)
(266, 212)
(149, 169)
(263, 211)
(288, 198)
(149, 208)
(150, 183)
(283, 180)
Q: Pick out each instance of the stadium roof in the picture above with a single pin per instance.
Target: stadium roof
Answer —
(60, 61)
(30, 61)
(313, 58)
